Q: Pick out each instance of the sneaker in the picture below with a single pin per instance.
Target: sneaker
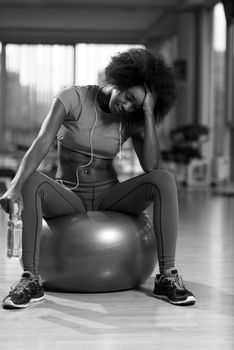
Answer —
(170, 287)
(27, 290)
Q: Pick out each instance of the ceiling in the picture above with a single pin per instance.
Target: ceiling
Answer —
(96, 21)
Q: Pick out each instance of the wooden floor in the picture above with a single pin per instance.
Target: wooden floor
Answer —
(135, 319)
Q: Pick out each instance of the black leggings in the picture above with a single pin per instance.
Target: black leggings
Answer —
(44, 197)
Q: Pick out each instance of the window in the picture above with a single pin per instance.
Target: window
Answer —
(218, 79)
(33, 74)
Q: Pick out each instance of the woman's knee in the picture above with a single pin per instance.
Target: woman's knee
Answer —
(162, 177)
(34, 180)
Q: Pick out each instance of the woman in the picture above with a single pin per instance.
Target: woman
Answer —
(91, 123)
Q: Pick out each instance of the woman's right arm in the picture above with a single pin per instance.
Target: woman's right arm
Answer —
(34, 155)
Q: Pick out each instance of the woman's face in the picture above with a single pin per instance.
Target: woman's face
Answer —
(127, 101)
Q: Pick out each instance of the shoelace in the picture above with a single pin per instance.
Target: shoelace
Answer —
(20, 285)
(176, 281)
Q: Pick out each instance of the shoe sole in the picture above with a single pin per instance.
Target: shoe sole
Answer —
(189, 301)
(8, 304)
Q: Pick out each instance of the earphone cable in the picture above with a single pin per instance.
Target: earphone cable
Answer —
(91, 151)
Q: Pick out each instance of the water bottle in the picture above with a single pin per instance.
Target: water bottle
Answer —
(14, 235)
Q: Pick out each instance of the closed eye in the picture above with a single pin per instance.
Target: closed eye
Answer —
(131, 98)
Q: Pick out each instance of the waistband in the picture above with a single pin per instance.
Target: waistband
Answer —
(88, 185)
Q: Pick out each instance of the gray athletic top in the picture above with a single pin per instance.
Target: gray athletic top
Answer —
(82, 109)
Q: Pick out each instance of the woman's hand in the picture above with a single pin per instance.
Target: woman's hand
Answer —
(11, 197)
(146, 142)
(149, 101)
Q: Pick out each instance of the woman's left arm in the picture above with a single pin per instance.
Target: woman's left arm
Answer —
(146, 143)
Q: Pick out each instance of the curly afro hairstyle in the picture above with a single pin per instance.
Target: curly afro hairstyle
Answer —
(138, 66)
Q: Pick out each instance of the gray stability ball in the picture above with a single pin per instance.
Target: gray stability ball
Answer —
(97, 252)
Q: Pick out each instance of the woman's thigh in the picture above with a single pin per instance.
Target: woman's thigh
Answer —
(136, 194)
(56, 200)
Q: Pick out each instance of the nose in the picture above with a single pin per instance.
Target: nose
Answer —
(127, 106)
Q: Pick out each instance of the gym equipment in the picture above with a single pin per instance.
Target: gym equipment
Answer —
(97, 252)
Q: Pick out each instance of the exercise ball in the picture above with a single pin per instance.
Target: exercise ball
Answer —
(97, 252)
